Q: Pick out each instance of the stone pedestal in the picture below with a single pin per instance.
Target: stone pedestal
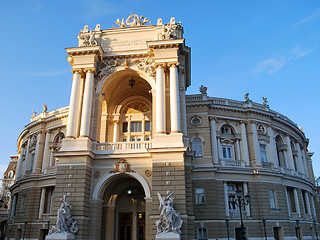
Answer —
(61, 236)
(168, 236)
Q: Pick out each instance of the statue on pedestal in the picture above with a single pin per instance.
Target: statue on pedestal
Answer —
(66, 226)
(170, 220)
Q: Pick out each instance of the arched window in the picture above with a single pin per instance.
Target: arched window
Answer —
(11, 174)
(59, 138)
(197, 147)
(280, 151)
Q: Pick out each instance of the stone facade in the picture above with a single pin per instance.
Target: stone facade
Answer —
(130, 132)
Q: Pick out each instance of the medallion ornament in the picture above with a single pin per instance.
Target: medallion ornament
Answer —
(122, 166)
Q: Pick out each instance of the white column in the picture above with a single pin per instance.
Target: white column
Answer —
(214, 144)
(273, 148)
(87, 104)
(36, 155)
(219, 149)
(115, 131)
(27, 159)
(183, 104)
(313, 208)
(306, 195)
(20, 162)
(46, 152)
(296, 202)
(226, 199)
(160, 101)
(245, 192)
(174, 100)
(237, 146)
(42, 199)
(74, 105)
(289, 153)
(304, 162)
(288, 202)
(256, 144)
(51, 161)
(299, 159)
(244, 144)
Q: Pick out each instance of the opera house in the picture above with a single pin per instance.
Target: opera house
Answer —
(237, 169)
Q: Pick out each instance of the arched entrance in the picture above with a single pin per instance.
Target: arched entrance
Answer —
(123, 212)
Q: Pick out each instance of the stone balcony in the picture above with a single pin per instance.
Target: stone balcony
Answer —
(121, 147)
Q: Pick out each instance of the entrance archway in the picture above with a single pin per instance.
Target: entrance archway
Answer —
(123, 212)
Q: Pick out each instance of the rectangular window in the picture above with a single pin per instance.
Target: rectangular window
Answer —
(200, 196)
(136, 126)
(263, 153)
(23, 203)
(48, 200)
(124, 140)
(124, 127)
(202, 233)
(147, 126)
(31, 161)
(226, 152)
(273, 201)
(291, 201)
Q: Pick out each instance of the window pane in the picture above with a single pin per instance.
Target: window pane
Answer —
(197, 147)
(125, 127)
(272, 199)
(136, 126)
(229, 152)
(263, 153)
(224, 152)
(147, 126)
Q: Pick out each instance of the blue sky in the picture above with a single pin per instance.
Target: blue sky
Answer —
(268, 48)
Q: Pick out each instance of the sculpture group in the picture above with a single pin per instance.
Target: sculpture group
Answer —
(65, 224)
(170, 220)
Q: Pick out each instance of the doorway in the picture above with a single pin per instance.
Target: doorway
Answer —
(123, 217)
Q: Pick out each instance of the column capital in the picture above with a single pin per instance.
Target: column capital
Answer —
(173, 64)
(213, 119)
(243, 122)
(253, 122)
(89, 70)
(77, 70)
(161, 65)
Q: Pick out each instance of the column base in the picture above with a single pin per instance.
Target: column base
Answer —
(79, 144)
(163, 141)
(60, 236)
(168, 236)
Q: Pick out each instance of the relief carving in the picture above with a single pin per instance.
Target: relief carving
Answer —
(147, 65)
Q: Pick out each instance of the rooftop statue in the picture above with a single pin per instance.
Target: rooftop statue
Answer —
(171, 30)
(265, 101)
(65, 223)
(203, 89)
(170, 220)
(132, 21)
(45, 108)
(246, 97)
